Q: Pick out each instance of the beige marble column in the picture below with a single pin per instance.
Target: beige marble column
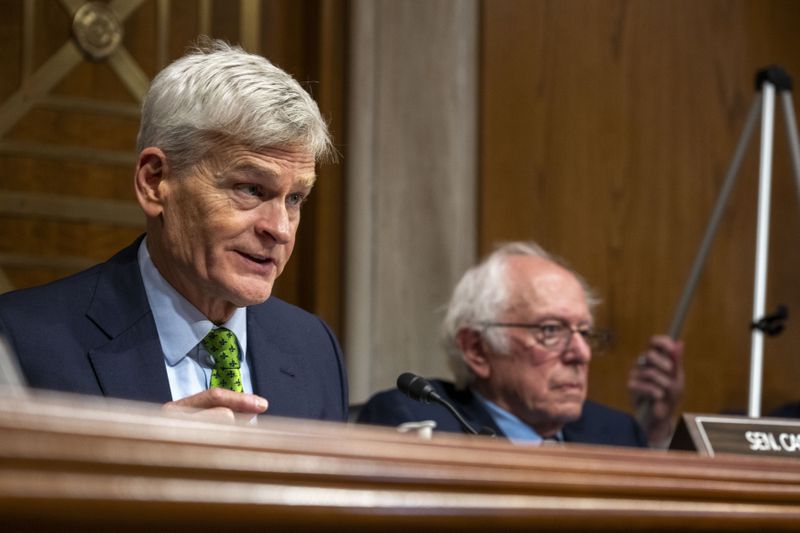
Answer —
(411, 159)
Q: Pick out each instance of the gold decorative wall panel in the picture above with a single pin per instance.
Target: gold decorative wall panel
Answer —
(73, 74)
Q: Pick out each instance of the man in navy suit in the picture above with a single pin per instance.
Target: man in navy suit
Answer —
(227, 146)
(519, 334)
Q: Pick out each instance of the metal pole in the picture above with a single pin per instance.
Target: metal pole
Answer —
(643, 406)
(716, 215)
(762, 248)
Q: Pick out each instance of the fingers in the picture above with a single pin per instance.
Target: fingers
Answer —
(667, 347)
(664, 354)
(664, 343)
(661, 366)
(653, 375)
(649, 384)
(659, 373)
(653, 359)
(658, 376)
(221, 403)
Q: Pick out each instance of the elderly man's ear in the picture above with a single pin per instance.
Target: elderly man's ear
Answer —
(151, 171)
(474, 351)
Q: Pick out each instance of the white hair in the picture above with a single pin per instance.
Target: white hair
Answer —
(481, 295)
(219, 93)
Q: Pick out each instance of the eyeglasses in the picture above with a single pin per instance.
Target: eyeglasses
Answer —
(556, 335)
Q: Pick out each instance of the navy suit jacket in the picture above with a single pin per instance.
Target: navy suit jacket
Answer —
(94, 333)
(597, 425)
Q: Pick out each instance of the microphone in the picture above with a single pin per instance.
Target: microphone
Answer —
(419, 389)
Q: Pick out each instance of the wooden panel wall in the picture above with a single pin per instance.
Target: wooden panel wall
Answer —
(606, 130)
(66, 164)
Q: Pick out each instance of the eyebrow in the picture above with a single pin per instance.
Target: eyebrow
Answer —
(260, 172)
(249, 169)
(308, 180)
(588, 322)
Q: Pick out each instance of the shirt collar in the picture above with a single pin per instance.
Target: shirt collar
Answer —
(181, 326)
(512, 427)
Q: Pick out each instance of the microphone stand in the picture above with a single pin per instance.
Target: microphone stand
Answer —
(464, 424)
(486, 431)
(768, 81)
(420, 389)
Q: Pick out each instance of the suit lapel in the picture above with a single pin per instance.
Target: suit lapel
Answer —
(278, 374)
(131, 364)
(474, 412)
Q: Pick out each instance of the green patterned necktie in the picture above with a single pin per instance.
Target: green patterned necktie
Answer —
(221, 344)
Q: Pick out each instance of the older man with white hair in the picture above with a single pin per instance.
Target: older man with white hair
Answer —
(519, 334)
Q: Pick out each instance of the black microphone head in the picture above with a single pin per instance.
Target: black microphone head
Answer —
(416, 387)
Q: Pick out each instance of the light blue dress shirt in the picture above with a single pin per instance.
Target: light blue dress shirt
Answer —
(181, 327)
(512, 427)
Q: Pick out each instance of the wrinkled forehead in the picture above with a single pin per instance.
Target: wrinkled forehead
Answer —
(268, 162)
(538, 288)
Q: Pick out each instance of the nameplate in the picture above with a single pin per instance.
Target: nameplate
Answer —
(713, 434)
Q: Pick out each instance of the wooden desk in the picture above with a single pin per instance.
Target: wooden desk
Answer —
(79, 465)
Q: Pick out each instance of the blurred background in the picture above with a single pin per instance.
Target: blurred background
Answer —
(600, 128)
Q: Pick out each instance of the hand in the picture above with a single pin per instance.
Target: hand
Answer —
(655, 384)
(220, 405)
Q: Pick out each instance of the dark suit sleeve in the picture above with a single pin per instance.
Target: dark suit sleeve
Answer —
(392, 408)
(297, 363)
(388, 408)
(789, 410)
(46, 326)
(340, 378)
(599, 424)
